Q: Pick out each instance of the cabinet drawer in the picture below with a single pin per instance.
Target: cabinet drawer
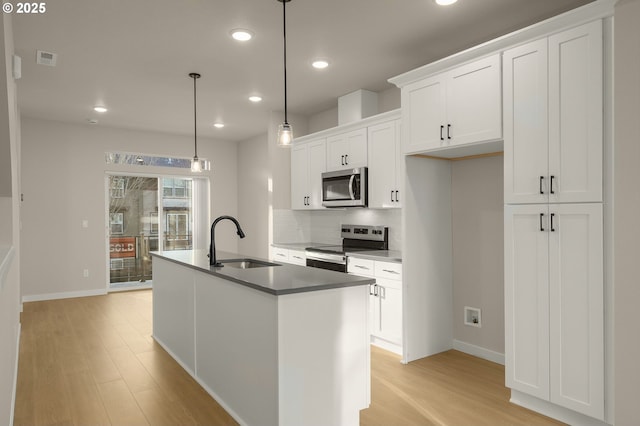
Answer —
(280, 254)
(390, 270)
(297, 257)
(360, 266)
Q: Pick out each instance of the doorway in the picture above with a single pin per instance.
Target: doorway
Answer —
(148, 213)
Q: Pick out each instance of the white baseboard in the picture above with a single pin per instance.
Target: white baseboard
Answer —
(478, 351)
(15, 376)
(391, 347)
(63, 295)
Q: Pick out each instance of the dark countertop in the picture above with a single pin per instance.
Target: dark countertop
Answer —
(277, 280)
(382, 255)
(300, 246)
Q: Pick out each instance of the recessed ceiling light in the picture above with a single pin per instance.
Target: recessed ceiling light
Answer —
(218, 125)
(320, 64)
(99, 108)
(445, 2)
(255, 98)
(241, 34)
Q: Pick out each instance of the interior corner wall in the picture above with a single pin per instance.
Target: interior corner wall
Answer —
(9, 213)
(63, 181)
(478, 250)
(626, 211)
(280, 159)
(253, 202)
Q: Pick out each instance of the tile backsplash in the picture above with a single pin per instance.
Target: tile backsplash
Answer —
(323, 226)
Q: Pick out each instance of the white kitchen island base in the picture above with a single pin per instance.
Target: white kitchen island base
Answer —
(300, 358)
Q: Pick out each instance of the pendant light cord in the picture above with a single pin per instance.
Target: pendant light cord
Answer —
(284, 32)
(195, 126)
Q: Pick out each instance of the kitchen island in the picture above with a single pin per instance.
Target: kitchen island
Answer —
(274, 345)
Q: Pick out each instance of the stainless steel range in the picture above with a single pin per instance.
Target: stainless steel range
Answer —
(354, 238)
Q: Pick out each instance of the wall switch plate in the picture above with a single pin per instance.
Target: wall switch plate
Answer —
(472, 316)
(85, 273)
(85, 223)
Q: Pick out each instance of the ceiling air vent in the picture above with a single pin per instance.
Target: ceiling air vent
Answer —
(46, 58)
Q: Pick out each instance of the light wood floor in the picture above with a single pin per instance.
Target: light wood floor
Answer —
(92, 361)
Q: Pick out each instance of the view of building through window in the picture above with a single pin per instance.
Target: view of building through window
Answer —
(146, 214)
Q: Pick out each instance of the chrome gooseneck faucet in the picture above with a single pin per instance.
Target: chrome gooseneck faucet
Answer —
(212, 246)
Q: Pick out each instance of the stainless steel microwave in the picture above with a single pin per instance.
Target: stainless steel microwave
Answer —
(345, 188)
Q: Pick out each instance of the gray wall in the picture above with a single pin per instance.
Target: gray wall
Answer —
(627, 211)
(253, 196)
(63, 181)
(478, 255)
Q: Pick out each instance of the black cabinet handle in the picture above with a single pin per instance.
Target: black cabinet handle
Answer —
(448, 131)
(552, 229)
(541, 179)
(392, 196)
(541, 227)
(346, 159)
(441, 130)
(397, 199)
(342, 156)
(551, 187)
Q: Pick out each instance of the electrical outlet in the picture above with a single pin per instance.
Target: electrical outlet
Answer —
(472, 316)
(85, 273)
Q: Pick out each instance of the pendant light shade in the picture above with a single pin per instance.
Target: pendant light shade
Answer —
(285, 132)
(196, 164)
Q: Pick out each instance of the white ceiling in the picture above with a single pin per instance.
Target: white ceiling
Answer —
(134, 56)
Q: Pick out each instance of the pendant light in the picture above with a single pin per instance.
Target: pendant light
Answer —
(285, 133)
(196, 165)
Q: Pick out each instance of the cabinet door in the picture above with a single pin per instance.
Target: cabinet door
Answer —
(576, 308)
(526, 280)
(423, 115)
(299, 176)
(399, 166)
(336, 150)
(575, 114)
(382, 165)
(390, 314)
(317, 166)
(347, 150)
(474, 102)
(526, 124)
(356, 148)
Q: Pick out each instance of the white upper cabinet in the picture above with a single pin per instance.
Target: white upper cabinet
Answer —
(459, 107)
(386, 165)
(347, 150)
(308, 162)
(553, 118)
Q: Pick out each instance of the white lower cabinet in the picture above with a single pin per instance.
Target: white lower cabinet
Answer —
(385, 300)
(554, 308)
(295, 257)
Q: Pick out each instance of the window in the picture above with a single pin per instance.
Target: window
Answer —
(177, 226)
(116, 223)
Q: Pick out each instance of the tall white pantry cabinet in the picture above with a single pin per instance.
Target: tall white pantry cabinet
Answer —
(553, 194)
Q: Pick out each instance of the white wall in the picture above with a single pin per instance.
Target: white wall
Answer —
(387, 100)
(478, 249)
(323, 226)
(63, 181)
(253, 196)
(9, 214)
(627, 211)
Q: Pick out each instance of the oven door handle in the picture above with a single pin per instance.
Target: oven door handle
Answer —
(351, 192)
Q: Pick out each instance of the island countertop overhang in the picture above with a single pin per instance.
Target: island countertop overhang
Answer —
(277, 280)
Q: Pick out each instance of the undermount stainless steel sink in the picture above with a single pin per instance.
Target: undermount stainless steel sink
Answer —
(246, 263)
